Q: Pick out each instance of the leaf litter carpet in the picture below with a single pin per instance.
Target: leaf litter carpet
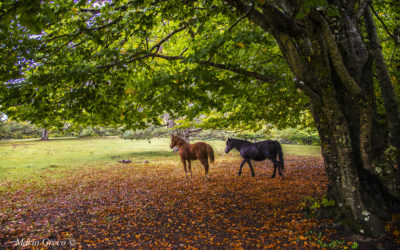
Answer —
(154, 205)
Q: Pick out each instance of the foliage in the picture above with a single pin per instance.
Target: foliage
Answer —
(213, 134)
(93, 131)
(16, 130)
(314, 239)
(148, 133)
(102, 64)
(21, 130)
(298, 135)
(313, 204)
(306, 136)
(78, 60)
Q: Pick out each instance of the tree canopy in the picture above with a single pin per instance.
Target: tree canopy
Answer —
(128, 62)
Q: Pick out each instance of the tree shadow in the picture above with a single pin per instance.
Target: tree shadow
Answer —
(144, 155)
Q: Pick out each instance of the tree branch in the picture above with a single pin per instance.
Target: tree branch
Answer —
(307, 90)
(116, 20)
(227, 67)
(336, 57)
(242, 17)
(98, 10)
(143, 55)
(308, 82)
(231, 28)
(256, 16)
(183, 51)
(389, 98)
(272, 20)
(50, 37)
(396, 41)
(157, 45)
(90, 10)
(364, 4)
(279, 21)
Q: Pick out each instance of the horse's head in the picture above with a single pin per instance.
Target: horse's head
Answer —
(173, 141)
(229, 146)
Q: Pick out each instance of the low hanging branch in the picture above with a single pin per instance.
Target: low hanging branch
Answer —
(227, 67)
(143, 55)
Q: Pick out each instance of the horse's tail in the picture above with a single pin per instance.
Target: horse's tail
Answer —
(280, 155)
(210, 153)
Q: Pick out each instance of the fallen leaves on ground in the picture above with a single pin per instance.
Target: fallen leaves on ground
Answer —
(155, 205)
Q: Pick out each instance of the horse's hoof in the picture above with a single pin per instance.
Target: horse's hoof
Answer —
(272, 176)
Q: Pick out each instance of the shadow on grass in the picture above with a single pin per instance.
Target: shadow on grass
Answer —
(3, 170)
(146, 155)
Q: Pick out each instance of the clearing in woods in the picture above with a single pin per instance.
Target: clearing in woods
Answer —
(74, 192)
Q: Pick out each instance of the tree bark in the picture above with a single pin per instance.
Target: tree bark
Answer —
(45, 135)
(187, 132)
(335, 67)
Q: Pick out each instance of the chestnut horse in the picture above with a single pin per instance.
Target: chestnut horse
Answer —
(196, 151)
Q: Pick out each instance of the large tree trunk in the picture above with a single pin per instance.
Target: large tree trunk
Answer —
(363, 179)
(335, 62)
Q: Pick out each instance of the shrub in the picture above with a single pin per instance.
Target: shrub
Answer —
(298, 135)
(15, 130)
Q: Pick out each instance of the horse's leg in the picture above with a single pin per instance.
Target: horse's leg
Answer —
(274, 174)
(279, 168)
(190, 168)
(241, 166)
(251, 167)
(204, 162)
(184, 165)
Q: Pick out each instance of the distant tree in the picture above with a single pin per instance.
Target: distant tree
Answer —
(45, 135)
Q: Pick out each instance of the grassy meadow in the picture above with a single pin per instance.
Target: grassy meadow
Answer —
(30, 159)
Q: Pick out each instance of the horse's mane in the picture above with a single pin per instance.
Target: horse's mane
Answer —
(239, 141)
(179, 140)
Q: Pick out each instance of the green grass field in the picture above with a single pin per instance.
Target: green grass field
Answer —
(30, 159)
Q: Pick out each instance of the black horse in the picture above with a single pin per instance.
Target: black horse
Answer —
(258, 151)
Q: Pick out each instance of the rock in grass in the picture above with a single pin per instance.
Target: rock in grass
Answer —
(125, 161)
